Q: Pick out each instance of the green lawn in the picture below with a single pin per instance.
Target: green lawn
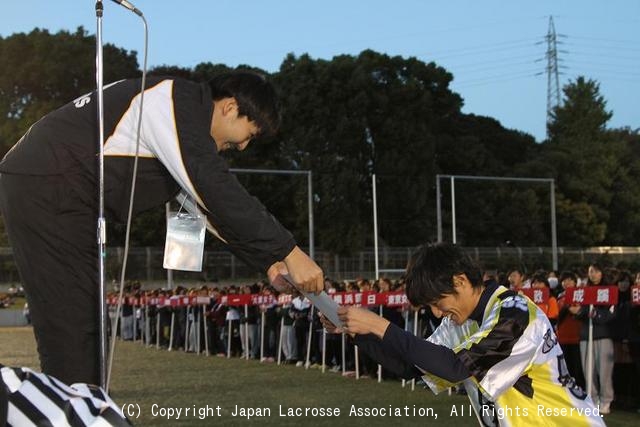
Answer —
(150, 381)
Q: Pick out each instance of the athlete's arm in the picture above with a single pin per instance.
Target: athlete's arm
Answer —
(408, 356)
(398, 350)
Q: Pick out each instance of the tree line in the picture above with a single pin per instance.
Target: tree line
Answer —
(350, 117)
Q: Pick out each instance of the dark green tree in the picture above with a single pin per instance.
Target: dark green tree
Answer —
(585, 158)
(354, 116)
(43, 71)
(491, 212)
(623, 227)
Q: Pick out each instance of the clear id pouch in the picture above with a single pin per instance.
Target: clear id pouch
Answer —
(184, 246)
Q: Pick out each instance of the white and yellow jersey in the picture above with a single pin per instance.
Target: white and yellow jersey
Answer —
(519, 376)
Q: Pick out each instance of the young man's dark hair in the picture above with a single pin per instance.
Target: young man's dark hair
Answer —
(256, 97)
(431, 269)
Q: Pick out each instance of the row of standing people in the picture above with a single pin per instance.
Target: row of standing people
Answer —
(238, 331)
(234, 331)
(615, 369)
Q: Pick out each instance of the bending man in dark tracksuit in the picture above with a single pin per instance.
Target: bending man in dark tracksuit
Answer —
(49, 196)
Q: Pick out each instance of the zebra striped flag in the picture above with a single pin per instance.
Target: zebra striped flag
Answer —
(28, 398)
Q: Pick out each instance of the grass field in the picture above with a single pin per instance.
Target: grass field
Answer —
(150, 380)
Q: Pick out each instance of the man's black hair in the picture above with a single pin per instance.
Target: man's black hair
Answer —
(431, 269)
(256, 97)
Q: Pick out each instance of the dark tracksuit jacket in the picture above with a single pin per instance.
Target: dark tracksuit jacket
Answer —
(49, 201)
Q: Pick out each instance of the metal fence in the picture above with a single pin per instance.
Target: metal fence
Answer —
(145, 264)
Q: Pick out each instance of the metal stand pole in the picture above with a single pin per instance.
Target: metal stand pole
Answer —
(147, 326)
(230, 331)
(324, 349)
(206, 332)
(590, 354)
(406, 328)
(121, 324)
(135, 323)
(157, 327)
(198, 329)
(307, 363)
(379, 365)
(415, 332)
(282, 331)
(186, 329)
(173, 320)
(262, 320)
(101, 230)
(344, 354)
(246, 332)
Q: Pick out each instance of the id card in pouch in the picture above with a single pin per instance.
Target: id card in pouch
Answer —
(184, 247)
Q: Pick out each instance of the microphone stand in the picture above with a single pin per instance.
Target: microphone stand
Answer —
(101, 229)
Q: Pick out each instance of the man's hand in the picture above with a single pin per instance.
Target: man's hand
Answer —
(305, 273)
(276, 275)
(357, 320)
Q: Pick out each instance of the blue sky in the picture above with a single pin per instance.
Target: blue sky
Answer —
(494, 48)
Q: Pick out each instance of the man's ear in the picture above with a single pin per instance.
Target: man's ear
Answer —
(459, 280)
(229, 107)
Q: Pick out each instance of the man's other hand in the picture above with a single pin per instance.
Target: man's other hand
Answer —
(304, 272)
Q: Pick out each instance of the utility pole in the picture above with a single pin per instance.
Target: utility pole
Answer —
(553, 81)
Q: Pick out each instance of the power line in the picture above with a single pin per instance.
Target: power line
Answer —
(489, 61)
(501, 45)
(496, 79)
(602, 47)
(608, 56)
(635, 42)
(480, 51)
(600, 67)
(492, 67)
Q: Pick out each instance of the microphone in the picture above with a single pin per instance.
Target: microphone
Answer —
(129, 6)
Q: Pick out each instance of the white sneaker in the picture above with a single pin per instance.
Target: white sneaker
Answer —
(605, 409)
(298, 364)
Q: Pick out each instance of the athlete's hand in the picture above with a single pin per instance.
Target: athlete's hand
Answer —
(329, 326)
(357, 320)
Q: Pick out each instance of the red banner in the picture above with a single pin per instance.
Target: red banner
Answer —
(537, 295)
(236, 300)
(285, 299)
(596, 295)
(258, 299)
(635, 295)
(395, 299)
(365, 299)
(354, 298)
(370, 298)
